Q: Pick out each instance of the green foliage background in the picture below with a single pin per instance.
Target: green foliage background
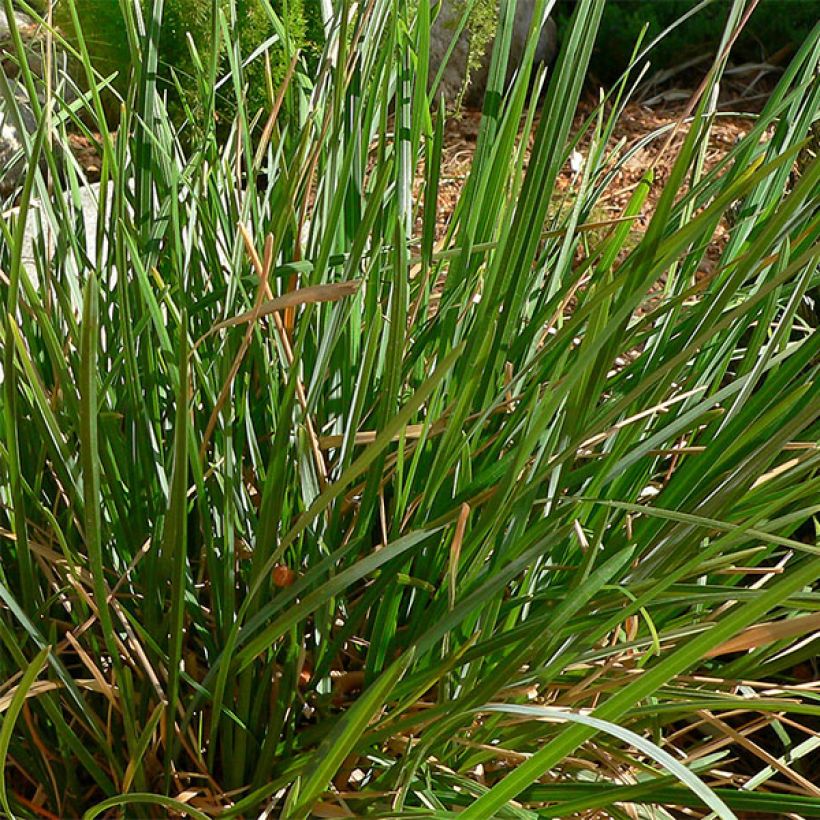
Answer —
(774, 25)
(105, 34)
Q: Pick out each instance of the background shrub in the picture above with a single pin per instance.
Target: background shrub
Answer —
(104, 29)
(774, 25)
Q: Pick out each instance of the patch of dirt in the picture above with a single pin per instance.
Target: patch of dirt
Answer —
(634, 125)
(86, 153)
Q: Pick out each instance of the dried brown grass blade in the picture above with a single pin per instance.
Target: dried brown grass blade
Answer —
(41, 686)
(771, 632)
(760, 753)
(314, 294)
(455, 552)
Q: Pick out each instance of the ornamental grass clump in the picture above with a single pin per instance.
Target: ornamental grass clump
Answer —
(308, 509)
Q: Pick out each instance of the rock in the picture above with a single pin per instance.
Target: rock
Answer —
(90, 206)
(442, 33)
(22, 20)
(28, 34)
(12, 161)
(16, 110)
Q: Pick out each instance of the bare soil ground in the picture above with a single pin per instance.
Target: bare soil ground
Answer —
(637, 122)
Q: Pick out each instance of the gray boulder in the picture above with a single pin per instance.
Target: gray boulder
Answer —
(16, 109)
(29, 32)
(12, 160)
(443, 30)
(22, 20)
(12, 164)
(90, 206)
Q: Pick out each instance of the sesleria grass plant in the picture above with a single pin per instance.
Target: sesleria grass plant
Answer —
(307, 510)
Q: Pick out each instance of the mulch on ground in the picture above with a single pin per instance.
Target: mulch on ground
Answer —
(638, 121)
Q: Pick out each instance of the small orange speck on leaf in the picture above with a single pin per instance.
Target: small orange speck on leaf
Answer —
(283, 576)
